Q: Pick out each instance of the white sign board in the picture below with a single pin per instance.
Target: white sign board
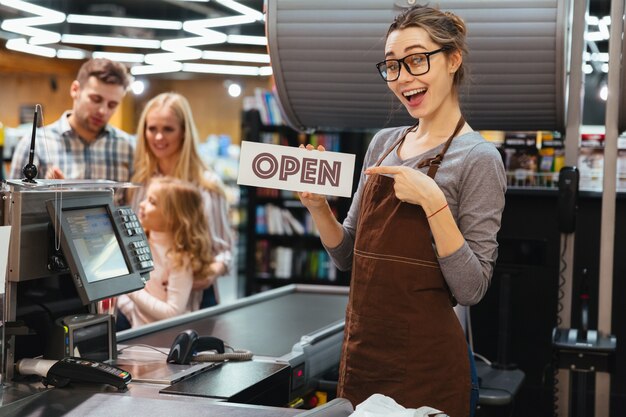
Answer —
(296, 169)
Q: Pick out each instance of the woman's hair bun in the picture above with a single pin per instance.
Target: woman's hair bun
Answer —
(457, 22)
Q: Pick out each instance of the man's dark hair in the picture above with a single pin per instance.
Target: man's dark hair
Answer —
(105, 70)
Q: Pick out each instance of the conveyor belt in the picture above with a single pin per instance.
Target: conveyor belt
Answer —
(269, 327)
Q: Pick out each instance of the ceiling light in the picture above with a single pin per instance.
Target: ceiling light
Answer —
(236, 56)
(238, 7)
(220, 21)
(234, 90)
(23, 27)
(247, 40)
(604, 29)
(110, 41)
(29, 7)
(594, 36)
(119, 56)
(138, 87)
(71, 54)
(265, 71)
(124, 21)
(156, 69)
(223, 69)
(178, 50)
(604, 92)
(20, 45)
(599, 56)
(198, 28)
(166, 57)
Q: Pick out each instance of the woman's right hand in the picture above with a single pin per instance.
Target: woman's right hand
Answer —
(310, 200)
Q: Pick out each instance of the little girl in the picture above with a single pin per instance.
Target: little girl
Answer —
(173, 217)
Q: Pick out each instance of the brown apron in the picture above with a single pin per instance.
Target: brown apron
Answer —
(402, 337)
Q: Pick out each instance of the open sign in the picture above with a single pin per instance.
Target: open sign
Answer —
(295, 169)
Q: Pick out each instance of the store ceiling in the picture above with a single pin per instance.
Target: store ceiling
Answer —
(193, 37)
(221, 36)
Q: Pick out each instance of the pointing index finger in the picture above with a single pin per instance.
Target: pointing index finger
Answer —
(383, 170)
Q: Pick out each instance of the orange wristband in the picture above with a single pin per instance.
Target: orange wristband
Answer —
(432, 214)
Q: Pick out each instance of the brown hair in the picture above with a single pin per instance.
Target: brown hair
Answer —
(444, 28)
(182, 204)
(105, 70)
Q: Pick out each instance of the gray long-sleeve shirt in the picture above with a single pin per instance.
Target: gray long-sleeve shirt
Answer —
(473, 180)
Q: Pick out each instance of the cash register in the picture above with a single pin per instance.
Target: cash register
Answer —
(70, 247)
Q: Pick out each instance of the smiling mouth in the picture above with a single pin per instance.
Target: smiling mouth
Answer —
(412, 94)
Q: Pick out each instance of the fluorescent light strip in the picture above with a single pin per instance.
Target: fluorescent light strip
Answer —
(599, 56)
(23, 25)
(156, 69)
(119, 56)
(20, 45)
(265, 71)
(604, 29)
(124, 21)
(29, 7)
(71, 54)
(219, 22)
(236, 56)
(247, 40)
(594, 36)
(166, 57)
(205, 37)
(110, 41)
(178, 50)
(225, 69)
(238, 7)
(38, 36)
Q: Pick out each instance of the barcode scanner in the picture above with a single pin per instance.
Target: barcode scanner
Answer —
(187, 343)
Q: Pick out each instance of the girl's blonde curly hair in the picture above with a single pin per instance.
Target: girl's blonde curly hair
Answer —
(181, 203)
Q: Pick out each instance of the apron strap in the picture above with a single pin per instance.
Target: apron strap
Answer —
(434, 163)
(400, 139)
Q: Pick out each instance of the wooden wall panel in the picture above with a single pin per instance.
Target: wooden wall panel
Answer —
(214, 111)
(26, 89)
(28, 79)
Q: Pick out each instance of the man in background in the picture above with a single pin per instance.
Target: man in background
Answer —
(81, 144)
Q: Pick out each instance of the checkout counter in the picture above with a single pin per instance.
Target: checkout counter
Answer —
(295, 333)
(71, 247)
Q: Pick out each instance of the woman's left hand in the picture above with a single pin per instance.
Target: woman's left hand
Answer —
(412, 186)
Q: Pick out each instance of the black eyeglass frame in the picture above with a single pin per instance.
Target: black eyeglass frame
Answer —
(401, 63)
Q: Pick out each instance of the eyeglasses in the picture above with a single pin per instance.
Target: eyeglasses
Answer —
(415, 64)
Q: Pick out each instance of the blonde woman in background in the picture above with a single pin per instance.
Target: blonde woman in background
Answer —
(167, 144)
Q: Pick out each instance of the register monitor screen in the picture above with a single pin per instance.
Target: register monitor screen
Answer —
(97, 246)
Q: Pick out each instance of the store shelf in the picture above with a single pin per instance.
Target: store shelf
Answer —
(282, 244)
